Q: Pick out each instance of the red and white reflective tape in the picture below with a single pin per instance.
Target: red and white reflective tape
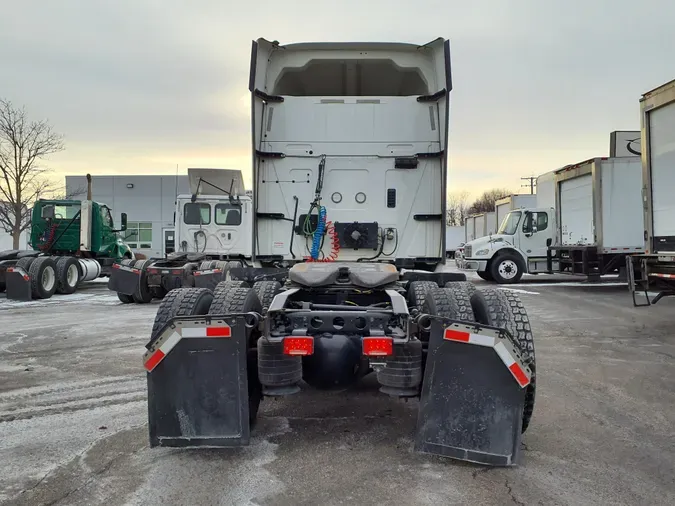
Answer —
(467, 337)
(460, 336)
(666, 276)
(18, 270)
(518, 373)
(161, 352)
(126, 268)
(222, 331)
(212, 271)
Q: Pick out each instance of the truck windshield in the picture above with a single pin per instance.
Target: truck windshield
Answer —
(510, 223)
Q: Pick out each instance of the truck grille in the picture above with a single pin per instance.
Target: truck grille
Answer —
(467, 251)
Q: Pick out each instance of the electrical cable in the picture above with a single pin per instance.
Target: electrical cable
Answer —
(395, 244)
(379, 253)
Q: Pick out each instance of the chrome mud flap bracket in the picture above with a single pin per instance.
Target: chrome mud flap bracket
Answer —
(124, 279)
(197, 383)
(473, 394)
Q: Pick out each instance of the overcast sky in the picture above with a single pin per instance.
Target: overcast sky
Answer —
(142, 86)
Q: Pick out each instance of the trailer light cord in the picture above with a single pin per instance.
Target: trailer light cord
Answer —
(379, 253)
(395, 243)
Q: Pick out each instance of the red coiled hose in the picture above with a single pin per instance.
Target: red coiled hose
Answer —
(334, 241)
(49, 237)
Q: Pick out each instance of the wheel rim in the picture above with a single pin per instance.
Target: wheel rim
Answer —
(48, 279)
(508, 269)
(72, 275)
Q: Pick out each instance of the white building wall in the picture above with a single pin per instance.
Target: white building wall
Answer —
(149, 201)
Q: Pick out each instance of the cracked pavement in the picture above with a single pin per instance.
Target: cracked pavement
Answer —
(73, 418)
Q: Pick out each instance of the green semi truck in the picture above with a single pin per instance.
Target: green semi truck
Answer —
(73, 242)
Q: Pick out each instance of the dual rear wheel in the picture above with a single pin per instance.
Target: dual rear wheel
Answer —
(488, 306)
(229, 297)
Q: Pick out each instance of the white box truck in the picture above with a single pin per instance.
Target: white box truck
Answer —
(654, 270)
(588, 230)
(454, 239)
(507, 204)
(469, 229)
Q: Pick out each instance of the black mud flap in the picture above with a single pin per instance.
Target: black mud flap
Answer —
(197, 383)
(124, 279)
(18, 284)
(472, 399)
(208, 278)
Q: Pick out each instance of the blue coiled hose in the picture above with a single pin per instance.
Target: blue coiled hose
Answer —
(318, 233)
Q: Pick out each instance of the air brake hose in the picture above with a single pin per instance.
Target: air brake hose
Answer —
(318, 233)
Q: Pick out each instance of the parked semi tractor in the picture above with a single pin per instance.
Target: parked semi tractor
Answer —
(654, 269)
(349, 185)
(73, 242)
(213, 234)
(590, 228)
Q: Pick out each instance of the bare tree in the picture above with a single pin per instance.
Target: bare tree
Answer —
(486, 202)
(24, 145)
(457, 208)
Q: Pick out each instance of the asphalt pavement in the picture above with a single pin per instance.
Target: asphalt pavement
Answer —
(73, 418)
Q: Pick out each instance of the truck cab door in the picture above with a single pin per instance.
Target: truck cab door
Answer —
(534, 231)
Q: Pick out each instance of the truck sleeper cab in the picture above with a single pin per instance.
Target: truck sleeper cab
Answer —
(354, 135)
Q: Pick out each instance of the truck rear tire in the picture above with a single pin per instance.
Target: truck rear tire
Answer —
(67, 275)
(181, 302)
(462, 292)
(142, 295)
(485, 275)
(504, 309)
(507, 268)
(417, 292)
(124, 298)
(42, 274)
(266, 291)
(242, 300)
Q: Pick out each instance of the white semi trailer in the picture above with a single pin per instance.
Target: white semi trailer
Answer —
(654, 269)
(588, 230)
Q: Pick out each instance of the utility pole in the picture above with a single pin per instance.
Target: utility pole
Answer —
(532, 183)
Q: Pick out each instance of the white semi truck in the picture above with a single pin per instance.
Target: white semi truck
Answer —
(590, 227)
(654, 270)
(349, 186)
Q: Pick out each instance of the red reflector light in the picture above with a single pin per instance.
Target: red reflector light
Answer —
(298, 345)
(177, 272)
(218, 332)
(519, 374)
(456, 335)
(378, 346)
(153, 271)
(116, 266)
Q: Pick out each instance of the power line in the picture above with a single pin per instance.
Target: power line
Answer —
(532, 183)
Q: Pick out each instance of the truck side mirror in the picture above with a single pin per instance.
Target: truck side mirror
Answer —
(123, 222)
(47, 212)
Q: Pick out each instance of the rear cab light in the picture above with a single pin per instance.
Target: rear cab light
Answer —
(298, 345)
(378, 346)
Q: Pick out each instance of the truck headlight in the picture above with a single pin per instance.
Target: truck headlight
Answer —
(482, 252)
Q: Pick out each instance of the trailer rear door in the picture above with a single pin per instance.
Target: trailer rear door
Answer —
(662, 151)
(576, 210)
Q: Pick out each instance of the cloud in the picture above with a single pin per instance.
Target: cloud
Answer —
(138, 86)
